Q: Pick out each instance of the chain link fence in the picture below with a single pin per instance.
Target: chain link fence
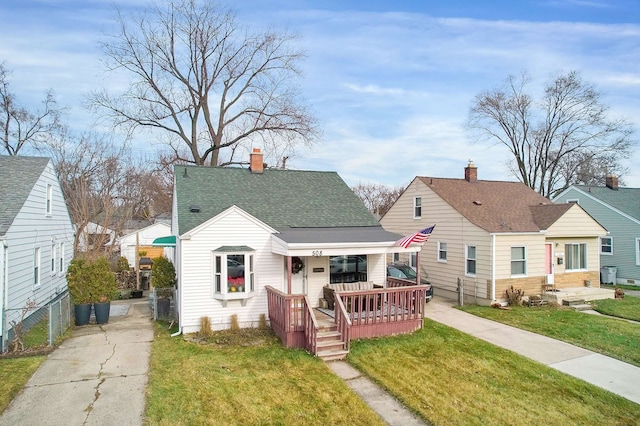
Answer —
(55, 315)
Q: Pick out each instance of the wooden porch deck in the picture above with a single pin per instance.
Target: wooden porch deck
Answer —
(358, 314)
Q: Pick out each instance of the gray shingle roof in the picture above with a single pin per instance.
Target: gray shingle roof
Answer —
(626, 200)
(18, 175)
(280, 198)
(496, 206)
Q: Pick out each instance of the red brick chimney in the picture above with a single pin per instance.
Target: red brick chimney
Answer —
(471, 172)
(256, 164)
(612, 182)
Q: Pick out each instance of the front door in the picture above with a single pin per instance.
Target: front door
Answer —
(548, 258)
(298, 278)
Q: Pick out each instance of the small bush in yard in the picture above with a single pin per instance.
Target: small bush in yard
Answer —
(205, 328)
(235, 326)
(514, 296)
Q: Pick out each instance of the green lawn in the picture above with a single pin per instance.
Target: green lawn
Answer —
(14, 374)
(451, 378)
(622, 286)
(628, 308)
(255, 382)
(608, 336)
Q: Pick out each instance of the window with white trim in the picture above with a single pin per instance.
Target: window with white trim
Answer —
(417, 207)
(606, 245)
(233, 273)
(576, 256)
(470, 263)
(53, 258)
(413, 259)
(61, 258)
(36, 266)
(49, 206)
(442, 251)
(518, 261)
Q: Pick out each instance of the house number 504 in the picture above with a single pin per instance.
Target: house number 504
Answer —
(316, 253)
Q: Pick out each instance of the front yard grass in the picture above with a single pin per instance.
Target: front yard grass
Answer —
(14, 374)
(627, 308)
(608, 336)
(252, 381)
(451, 378)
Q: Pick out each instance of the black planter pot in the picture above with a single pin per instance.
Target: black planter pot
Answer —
(82, 313)
(163, 305)
(136, 294)
(101, 310)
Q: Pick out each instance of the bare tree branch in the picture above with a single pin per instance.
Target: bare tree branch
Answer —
(566, 138)
(201, 77)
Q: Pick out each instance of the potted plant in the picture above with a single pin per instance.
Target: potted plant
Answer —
(103, 289)
(163, 278)
(79, 281)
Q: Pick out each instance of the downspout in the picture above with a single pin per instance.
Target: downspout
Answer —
(493, 267)
(178, 253)
(418, 268)
(288, 274)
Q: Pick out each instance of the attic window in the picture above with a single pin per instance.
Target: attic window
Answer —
(477, 202)
(194, 209)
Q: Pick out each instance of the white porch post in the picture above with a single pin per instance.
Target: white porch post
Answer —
(288, 274)
(417, 268)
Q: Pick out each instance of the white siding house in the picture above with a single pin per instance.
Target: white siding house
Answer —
(239, 231)
(36, 236)
(144, 238)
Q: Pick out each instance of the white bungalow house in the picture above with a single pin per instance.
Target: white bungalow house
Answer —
(491, 235)
(36, 237)
(142, 240)
(246, 234)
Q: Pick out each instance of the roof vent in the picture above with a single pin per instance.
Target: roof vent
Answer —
(194, 209)
(477, 202)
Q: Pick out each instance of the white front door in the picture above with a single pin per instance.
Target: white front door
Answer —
(298, 280)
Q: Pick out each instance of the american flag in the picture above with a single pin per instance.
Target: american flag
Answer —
(419, 237)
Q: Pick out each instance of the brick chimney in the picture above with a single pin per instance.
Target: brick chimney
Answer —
(612, 182)
(471, 172)
(256, 164)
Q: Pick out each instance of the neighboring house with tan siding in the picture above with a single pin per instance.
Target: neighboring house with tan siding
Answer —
(490, 235)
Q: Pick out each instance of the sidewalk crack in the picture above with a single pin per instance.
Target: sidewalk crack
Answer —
(96, 395)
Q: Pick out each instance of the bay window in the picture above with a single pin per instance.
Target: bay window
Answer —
(233, 273)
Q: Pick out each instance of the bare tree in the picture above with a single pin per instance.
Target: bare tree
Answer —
(103, 184)
(565, 138)
(20, 126)
(206, 83)
(377, 198)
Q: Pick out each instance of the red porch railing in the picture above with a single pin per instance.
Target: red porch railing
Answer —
(358, 314)
(286, 314)
(384, 311)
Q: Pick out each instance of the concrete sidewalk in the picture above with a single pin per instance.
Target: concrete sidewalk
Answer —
(96, 377)
(603, 371)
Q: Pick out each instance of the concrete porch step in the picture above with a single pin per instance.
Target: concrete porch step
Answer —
(573, 301)
(582, 307)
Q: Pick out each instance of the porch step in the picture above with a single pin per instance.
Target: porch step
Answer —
(332, 355)
(573, 301)
(582, 307)
(328, 335)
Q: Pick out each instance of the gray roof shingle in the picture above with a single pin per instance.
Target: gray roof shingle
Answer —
(497, 206)
(18, 175)
(626, 200)
(280, 198)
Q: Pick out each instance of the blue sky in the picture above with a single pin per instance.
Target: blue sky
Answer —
(391, 82)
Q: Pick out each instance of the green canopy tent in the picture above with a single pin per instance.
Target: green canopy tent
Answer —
(169, 241)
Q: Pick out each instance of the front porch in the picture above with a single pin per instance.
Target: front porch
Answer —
(357, 314)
